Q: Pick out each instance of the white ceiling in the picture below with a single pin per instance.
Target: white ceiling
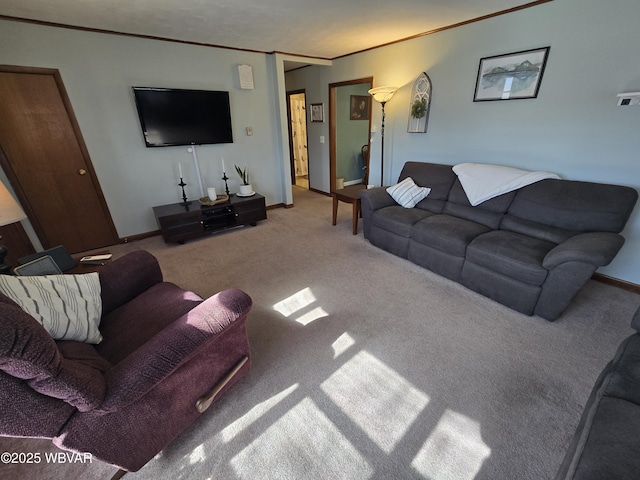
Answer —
(317, 28)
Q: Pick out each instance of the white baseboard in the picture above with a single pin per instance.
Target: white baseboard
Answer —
(352, 182)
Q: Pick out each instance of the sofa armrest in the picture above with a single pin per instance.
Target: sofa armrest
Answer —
(127, 277)
(375, 198)
(157, 359)
(593, 248)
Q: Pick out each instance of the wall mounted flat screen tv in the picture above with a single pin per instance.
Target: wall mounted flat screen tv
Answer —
(171, 117)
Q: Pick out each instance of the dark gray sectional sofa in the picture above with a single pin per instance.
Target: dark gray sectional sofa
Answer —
(606, 444)
(531, 249)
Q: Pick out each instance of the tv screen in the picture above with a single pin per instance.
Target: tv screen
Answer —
(171, 117)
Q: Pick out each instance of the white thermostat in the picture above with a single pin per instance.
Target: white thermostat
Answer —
(631, 98)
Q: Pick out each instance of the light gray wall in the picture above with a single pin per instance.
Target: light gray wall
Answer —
(99, 70)
(573, 128)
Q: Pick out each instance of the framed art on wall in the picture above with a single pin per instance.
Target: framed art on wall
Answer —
(317, 112)
(511, 76)
(359, 107)
(420, 103)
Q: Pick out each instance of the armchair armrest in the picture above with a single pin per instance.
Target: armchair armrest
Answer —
(593, 248)
(157, 359)
(127, 277)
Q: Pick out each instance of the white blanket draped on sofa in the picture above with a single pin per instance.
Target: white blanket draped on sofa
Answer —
(482, 181)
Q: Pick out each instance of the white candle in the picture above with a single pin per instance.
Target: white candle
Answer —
(180, 169)
(224, 170)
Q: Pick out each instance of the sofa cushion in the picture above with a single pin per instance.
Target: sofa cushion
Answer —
(509, 253)
(635, 321)
(446, 233)
(407, 194)
(624, 380)
(67, 306)
(606, 443)
(29, 353)
(83, 353)
(611, 444)
(488, 213)
(130, 326)
(438, 178)
(574, 205)
(536, 229)
(127, 277)
(397, 219)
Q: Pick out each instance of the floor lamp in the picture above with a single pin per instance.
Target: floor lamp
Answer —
(10, 212)
(382, 95)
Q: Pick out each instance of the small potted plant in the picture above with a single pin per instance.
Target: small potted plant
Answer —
(246, 189)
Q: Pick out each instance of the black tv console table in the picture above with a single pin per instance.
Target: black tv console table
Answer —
(181, 222)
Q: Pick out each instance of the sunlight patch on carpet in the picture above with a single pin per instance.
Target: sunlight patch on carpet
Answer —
(376, 398)
(197, 455)
(309, 317)
(303, 443)
(229, 433)
(454, 450)
(296, 303)
(342, 344)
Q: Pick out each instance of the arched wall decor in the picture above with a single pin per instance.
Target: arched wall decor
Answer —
(419, 104)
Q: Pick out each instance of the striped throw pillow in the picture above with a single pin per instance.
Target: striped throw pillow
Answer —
(69, 307)
(407, 193)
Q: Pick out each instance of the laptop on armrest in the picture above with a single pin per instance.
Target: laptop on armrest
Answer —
(59, 254)
(44, 265)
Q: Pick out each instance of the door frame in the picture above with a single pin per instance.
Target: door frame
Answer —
(333, 147)
(5, 163)
(291, 150)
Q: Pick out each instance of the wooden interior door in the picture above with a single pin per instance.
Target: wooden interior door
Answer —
(48, 164)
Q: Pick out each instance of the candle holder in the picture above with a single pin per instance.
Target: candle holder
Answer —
(184, 195)
(226, 186)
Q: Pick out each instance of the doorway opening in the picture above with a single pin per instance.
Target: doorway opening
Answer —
(297, 115)
(349, 127)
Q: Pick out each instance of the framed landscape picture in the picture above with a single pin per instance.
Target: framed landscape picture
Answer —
(511, 76)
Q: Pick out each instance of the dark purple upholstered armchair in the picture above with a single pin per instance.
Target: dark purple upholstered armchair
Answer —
(165, 355)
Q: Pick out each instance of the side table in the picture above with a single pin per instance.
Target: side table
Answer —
(350, 195)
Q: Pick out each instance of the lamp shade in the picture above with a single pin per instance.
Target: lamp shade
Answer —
(382, 94)
(10, 211)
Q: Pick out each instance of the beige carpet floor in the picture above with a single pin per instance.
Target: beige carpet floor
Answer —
(366, 366)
